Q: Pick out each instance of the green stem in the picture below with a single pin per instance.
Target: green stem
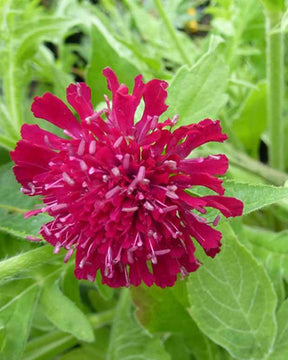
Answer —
(22, 262)
(245, 162)
(51, 345)
(171, 30)
(275, 93)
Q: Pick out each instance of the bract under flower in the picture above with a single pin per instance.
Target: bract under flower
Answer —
(116, 189)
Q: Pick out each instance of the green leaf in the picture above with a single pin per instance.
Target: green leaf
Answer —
(97, 350)
(233, 302)
(271, 248)
(45, 28)
(254, 197)
(129, 340)
(48, 346)
(70, 284)
(106, 51)
(15, 322)
(104, 290)
(175, 345)
(281, 344)
(198, 93)
(14, 204)
(172, 304)
(250, 123)
(273, 5)
(64, 314)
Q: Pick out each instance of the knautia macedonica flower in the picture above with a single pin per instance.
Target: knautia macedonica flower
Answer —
(116, 188)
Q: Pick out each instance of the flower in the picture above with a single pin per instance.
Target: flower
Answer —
(117, 190)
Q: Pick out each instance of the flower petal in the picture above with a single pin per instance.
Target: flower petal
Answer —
(52, 109)
(213, 165)
(79, 97)
(228, 206)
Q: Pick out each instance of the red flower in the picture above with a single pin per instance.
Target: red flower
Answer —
(116, 190)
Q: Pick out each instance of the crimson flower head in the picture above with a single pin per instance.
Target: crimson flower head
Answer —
(117, 189)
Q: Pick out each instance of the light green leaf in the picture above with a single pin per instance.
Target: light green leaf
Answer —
(198, 93)
(104, 290)
(45, 28)
(64, 314)
(14, 204)
(273, 5)
(233, 302)
(48, 346)
(106, 51)
(254, 197)
(95, 351)
(271, 248)
(281, 344)
(250, 123)
(15, 322)
(129, 340)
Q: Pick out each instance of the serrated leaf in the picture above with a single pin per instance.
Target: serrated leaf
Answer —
(15, 323)
(64, 314)
(128, 340)
(254, 197)
(198, 93)
(233, 302)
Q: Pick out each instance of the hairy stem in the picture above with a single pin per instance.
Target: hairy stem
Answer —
(28, 260)
(245, 162)
(275, 93)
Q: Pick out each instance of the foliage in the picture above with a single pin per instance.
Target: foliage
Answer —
(235, 306)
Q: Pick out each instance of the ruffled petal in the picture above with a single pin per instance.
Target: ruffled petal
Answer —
(195, 135)
(52, 109)
(79, 97)
(124, 104)
(154, 96)
(37, 136)
(28, 154)
(213, 165)
(207, 237)
(228, 206)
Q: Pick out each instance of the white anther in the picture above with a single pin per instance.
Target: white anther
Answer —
(115, 171)
(68, 179)
(81, 147)
(92, 147)
(83, 165)
(118, 142)
(148, 206)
